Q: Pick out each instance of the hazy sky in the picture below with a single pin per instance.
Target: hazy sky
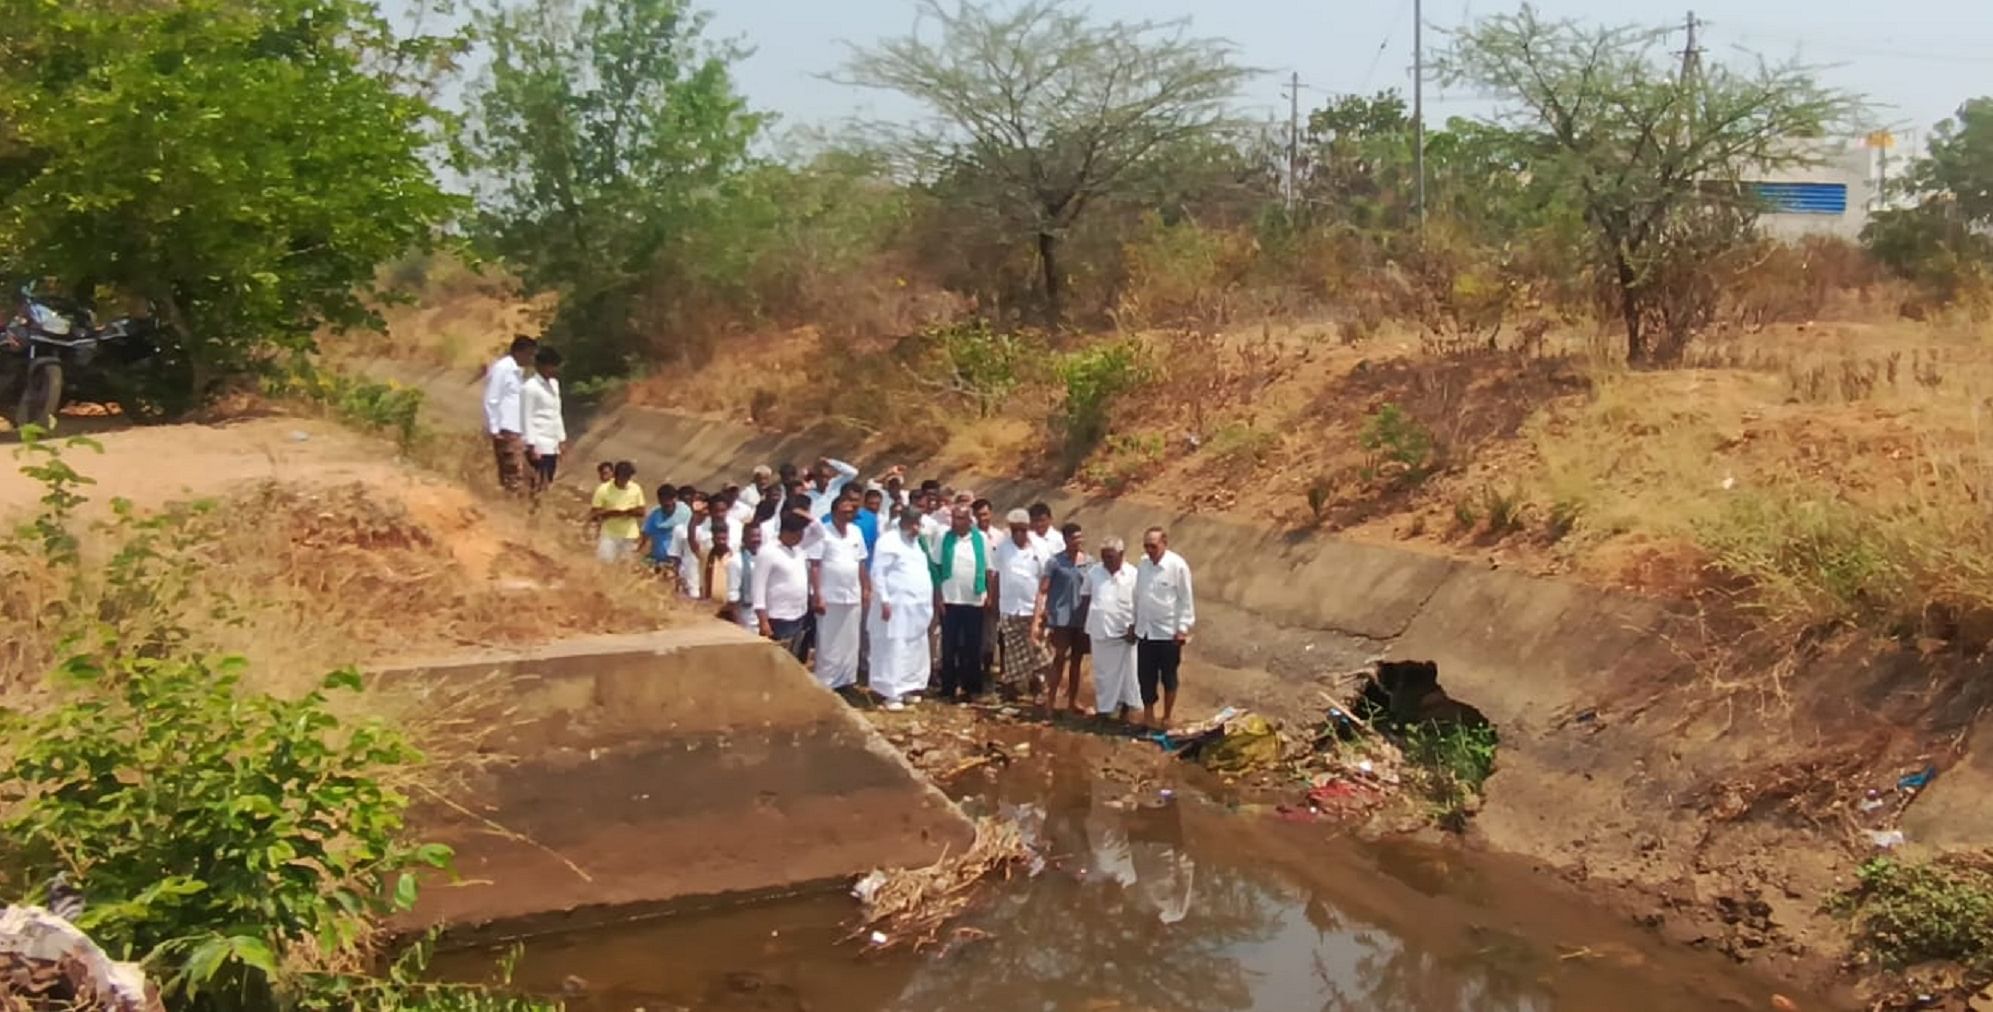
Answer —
(1917, 59)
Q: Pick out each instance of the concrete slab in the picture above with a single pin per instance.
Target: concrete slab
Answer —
(638, 770)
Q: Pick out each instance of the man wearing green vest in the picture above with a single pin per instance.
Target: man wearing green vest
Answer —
(961, 589)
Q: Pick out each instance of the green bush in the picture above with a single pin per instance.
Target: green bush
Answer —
(1093, 378)
(1907, 913)
(982, 364)
(369, 404)
(218, 829)
(1400, 448)
(1451, 762)
(240, 844)
(1239, 444)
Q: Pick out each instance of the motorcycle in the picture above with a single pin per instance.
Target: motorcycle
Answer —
(52, 347)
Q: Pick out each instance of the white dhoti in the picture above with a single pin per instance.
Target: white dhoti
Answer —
(1114, 681)
(902, 659)
(837, 645)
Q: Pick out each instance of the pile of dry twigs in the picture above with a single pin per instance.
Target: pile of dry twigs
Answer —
(914, 907)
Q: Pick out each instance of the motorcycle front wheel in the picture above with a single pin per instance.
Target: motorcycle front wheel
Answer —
(41, 395)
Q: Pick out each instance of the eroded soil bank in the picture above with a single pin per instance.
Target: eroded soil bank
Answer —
(1157, 891)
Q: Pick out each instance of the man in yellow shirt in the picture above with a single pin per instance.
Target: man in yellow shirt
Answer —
(619, 508)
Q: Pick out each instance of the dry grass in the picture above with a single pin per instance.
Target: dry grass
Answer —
(913, 907)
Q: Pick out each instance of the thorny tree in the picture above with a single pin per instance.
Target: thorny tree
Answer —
(1049, 111)
(1650, 154)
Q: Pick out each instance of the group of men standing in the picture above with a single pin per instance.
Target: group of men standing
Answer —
(921, 591)
(916, 591)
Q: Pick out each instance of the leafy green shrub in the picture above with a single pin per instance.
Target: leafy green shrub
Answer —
(1239, 444)
(1451, 762)
(369, 404)
(1906, 913)
(983, 365)
(1093, 379)
(219, 829)
(1400, 448)
(224, 837)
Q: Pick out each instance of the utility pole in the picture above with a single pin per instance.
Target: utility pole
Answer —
(1419, 108)
(1293, 140)
(1691, 55)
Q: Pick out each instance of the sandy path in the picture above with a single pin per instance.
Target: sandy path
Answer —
(157, 464)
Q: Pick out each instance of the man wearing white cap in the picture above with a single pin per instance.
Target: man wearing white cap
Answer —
(1020, 567)
(1110, 626)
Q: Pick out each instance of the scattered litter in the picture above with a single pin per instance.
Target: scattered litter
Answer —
(1886, 839)
(868, 886)
(1919, 780)
(878, 938)
(1367, 767)
(1871, 803)
(300, 436)
(1248, 744)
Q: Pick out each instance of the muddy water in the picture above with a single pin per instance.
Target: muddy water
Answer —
(1154, 895)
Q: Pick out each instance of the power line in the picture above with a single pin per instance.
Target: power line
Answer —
(1378, 56)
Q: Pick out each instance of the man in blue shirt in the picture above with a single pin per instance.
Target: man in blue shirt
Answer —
(659, 526)
(868, 520)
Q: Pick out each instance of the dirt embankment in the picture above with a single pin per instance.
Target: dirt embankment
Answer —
(319, 548)
(1713, 792)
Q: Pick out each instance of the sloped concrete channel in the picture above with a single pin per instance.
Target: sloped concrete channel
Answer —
(638, 771)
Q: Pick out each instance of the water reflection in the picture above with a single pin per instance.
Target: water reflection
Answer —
(1146, 900)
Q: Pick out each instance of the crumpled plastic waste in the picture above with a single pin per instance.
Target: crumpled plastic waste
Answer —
(1248, 744)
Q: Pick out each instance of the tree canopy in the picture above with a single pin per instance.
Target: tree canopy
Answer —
(1649, 155)
(1943, 237)
(1047, 110)
(246, 164)
(602, 131)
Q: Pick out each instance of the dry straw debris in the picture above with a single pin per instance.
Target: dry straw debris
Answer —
(914, 907)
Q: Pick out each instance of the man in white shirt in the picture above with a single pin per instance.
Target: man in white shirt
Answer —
(1020, 567)
(961, 568)
(827, 484)
(1110, 627)
(933, 515)
(840, 590)
(1043, 533)
(903, 608)
(542, 427)
(502, 413)
(782, 587)
(761, 485)
(1165, 611)
(742, 590)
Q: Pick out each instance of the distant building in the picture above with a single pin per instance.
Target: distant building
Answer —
(1832, 197)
